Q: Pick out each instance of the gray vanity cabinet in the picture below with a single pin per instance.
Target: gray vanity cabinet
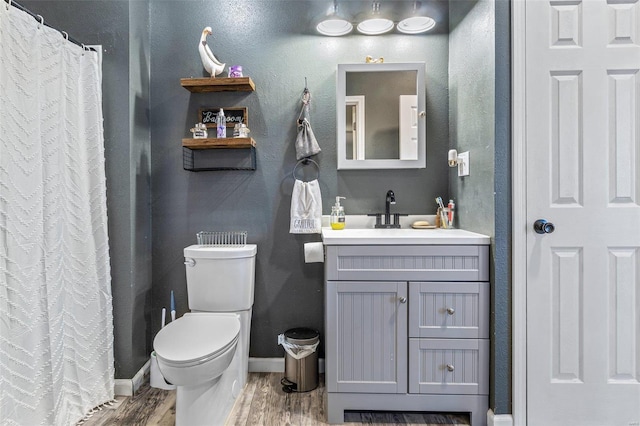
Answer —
(406, 329)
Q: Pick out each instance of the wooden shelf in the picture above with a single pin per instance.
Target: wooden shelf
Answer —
(213, 143)
(226, 84)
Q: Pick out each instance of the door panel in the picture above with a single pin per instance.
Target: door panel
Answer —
(583, 288)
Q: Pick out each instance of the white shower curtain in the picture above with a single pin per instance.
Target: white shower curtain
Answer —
(56, 325)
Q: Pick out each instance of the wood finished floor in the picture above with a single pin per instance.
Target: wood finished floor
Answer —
(262, 403)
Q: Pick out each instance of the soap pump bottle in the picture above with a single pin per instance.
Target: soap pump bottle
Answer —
(221, 126)
(337, 215)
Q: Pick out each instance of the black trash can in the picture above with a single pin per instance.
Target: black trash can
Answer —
(301, 359)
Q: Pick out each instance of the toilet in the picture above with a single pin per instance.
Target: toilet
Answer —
(205, 353)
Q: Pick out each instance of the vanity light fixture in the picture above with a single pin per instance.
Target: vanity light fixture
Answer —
(334, 24)
(416, 24)
(375, 24)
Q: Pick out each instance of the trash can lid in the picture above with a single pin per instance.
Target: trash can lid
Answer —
(302, 336)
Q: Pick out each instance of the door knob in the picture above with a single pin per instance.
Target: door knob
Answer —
(541, 226)
(403, 300)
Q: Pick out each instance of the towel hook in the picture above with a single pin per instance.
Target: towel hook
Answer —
(306, 99)
(306, 94)
(65, 35)
(9, 4)
(306, 161)
(41, 20)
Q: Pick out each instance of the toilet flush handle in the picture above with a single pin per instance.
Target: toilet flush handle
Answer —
(190, 262)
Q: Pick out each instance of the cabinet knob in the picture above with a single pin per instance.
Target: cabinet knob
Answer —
(450, 367)
(403, 299)
(451, 311)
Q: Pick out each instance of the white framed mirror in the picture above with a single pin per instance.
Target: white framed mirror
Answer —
(381, 116)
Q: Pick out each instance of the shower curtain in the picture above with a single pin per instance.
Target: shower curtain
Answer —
(56, 325)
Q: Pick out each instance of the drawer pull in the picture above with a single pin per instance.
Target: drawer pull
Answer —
(403, 299)
(451, 311)
(450, 367)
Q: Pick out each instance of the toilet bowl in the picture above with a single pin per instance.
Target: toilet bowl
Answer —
(197, 348)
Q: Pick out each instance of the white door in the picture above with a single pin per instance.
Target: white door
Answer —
(583, 163)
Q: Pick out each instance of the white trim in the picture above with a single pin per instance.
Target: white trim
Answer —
(128, 387)
(499, 419)
(519, 211)
(274, 365)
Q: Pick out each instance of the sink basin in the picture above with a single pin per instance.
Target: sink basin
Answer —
(360, 231)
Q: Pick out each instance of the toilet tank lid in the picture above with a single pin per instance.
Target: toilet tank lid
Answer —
(220, 252)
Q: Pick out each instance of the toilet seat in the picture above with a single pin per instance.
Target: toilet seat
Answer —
(196, 338)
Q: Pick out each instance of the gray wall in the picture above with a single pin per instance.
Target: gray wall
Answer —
(126, 150)
(479, 117)
(501, 261)
(275, 43)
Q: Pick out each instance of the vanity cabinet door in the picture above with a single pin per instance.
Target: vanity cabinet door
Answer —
(366, 333)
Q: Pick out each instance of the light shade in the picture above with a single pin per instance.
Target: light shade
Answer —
(416, 24)
(334, 26)
(375, 26)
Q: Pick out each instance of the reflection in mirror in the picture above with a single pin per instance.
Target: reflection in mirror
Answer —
(379, 121)
(354, 125)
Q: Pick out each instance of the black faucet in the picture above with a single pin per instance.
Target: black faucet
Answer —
(391, 199)
(388, 221)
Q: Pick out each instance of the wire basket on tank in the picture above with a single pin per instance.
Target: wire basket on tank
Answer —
(222, 238)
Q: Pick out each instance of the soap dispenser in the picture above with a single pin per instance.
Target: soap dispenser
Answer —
(221, 124)
(337, 215)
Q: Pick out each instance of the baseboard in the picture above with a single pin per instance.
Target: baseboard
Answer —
(129, 387)
(274, 365)
(499, 419)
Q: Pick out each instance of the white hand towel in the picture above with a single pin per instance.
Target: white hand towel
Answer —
(306, 208)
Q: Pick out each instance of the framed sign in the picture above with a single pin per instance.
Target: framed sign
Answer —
(232, 116)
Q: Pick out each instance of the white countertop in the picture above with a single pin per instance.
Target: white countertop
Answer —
(402, 236)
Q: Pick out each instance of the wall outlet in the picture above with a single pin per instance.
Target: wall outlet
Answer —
(463, 164)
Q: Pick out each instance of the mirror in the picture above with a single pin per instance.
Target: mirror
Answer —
(380, 116)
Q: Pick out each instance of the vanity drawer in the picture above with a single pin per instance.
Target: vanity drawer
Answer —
(449, 310)
(449, 366)
(409, 263)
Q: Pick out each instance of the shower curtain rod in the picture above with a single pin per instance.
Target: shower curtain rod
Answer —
(39, 18)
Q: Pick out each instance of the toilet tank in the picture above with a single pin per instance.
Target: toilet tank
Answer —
(220, 278)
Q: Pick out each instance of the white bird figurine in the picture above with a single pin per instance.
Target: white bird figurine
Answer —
(210, 62)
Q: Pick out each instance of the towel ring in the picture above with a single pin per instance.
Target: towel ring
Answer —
(306, 161)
